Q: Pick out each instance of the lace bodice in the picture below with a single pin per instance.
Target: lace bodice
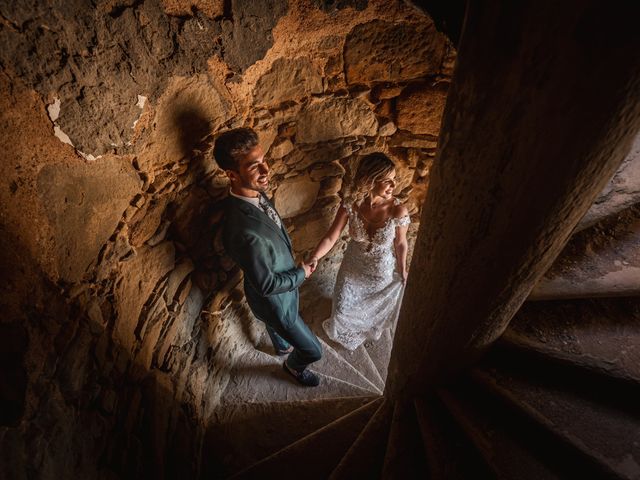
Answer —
(382, 238)
(368, 289)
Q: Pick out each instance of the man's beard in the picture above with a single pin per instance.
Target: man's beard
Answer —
(256, 186)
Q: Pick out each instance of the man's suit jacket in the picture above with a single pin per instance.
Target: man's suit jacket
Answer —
(264, 252)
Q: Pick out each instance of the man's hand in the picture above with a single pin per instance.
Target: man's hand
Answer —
(313, 263)
(307, 269)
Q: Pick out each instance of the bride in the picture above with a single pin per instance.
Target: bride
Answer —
(370, 281)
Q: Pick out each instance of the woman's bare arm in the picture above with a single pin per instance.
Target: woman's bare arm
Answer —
(400, 242)
(331, 237)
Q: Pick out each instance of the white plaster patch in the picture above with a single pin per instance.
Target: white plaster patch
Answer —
(64, 138)
(88, 156)
(141, 101)
(54, 110)
(54, 113)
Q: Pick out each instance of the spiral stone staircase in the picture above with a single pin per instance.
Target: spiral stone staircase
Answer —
(497, 369)
(555, 397)
(516, 353)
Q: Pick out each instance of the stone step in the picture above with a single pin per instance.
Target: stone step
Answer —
(602, 335)
(267, 428)
(257, 377)
(317, 454)
(405, 457)
(380, 352)
(601, 425)
(359, 360)
(315, 300)
(332, 364)
(335, 365)
(602, 261)
(365, 457)
(511, 444)
(450, 454)
(622, 191)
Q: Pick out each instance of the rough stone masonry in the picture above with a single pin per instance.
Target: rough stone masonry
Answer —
(121, 311)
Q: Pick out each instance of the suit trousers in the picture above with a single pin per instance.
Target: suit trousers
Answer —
(306, 346)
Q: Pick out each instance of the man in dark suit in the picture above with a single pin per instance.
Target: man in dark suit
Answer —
(255, 238)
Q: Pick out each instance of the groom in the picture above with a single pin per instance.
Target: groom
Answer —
(255, 238)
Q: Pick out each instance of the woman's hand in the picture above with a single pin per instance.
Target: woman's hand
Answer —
(312, 261)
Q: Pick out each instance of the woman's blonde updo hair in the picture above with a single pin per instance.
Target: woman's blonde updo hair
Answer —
(372, 168)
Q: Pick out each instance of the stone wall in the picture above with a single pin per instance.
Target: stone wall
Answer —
(121, 311)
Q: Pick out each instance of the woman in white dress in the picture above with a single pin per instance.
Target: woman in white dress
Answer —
(370, 282)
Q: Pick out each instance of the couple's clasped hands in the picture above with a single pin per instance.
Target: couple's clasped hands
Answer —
(309, 265)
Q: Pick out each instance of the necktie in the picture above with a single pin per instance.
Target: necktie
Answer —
(269, 210)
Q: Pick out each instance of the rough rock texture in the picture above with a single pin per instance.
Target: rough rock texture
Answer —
(601, 261)
(190, 109)
(288, 79)
(84, 204)
(211, 8)
(296, 196)
(125, 337)
(599, 333)
(336, 118)
(99, 61)
(248, 34)
(331, 5)
(508, 188)
(621, 192)
(420, 109)
(124, 325)
(382, 51)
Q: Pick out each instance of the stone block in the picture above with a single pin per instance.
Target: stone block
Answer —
(309, 231)
(249, 36)
(176, 278)
(288, 79)
(296, 196)
(281, 149)
(182, 8)
(147, 221)
(140, 276)
(406, 140)
(335, 118)
(331, 186)
(380, 51)
(333, 169)
(84, 203)
(188, 111)
(387, 129)
(420, 110)
(279, 168)
(389, 91)
(266, 135)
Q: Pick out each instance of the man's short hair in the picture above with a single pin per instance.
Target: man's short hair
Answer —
(231, 145)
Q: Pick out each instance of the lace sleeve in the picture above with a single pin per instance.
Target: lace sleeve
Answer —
(402, 221)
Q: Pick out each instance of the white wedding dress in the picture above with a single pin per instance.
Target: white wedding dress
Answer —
(369, 288)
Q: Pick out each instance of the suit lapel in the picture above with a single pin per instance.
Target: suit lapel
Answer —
(258, 215)
(282, 230)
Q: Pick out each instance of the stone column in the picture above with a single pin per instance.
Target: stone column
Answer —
(543, 107)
